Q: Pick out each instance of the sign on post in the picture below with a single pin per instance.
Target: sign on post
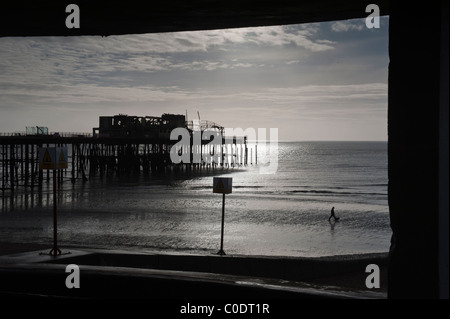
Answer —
(47, 157)
(222, 185)
(52, 157)
(61, 153)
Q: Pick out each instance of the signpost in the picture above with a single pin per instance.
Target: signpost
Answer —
(61, 153)
(222, 185)
(53, 158)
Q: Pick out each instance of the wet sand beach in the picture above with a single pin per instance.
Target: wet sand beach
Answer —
(277, 232)
(282, 214)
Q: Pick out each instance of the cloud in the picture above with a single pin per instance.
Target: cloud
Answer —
(349, 25)
(74, 60)
(314, 97)
(310, 95)
(276, 74)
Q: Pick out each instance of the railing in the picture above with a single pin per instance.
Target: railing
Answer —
(50, 134)
(71, 134)
(14, 134)
(203, 125)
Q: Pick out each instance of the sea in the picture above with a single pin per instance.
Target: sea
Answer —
(278, 212)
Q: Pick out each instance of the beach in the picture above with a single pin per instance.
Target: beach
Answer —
(270, 220)
(281, 214)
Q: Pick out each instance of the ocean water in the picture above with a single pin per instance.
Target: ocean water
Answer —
(281, 214)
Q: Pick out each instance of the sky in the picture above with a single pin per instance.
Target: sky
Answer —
(317, 81)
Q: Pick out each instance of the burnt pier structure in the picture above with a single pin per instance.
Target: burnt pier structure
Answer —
(121, 144)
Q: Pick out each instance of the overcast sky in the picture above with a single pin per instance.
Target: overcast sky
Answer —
(321, 81)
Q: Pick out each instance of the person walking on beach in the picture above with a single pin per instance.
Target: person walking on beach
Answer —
(333, 215)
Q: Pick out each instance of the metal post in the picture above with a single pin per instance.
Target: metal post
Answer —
(221, 251)
(55, 250)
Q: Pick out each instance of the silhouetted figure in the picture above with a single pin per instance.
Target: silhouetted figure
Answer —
(333, 215)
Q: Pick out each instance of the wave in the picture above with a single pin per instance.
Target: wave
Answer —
(238, 187)
(375, 185)
(271, 190)
(333, 192)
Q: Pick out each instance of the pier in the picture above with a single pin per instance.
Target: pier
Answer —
(121, 144)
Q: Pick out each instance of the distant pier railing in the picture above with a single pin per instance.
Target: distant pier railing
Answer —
(50, 134)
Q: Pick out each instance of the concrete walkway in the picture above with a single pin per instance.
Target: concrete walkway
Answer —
(125, 274)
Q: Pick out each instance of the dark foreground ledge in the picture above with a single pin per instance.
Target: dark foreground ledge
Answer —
(133, 275)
